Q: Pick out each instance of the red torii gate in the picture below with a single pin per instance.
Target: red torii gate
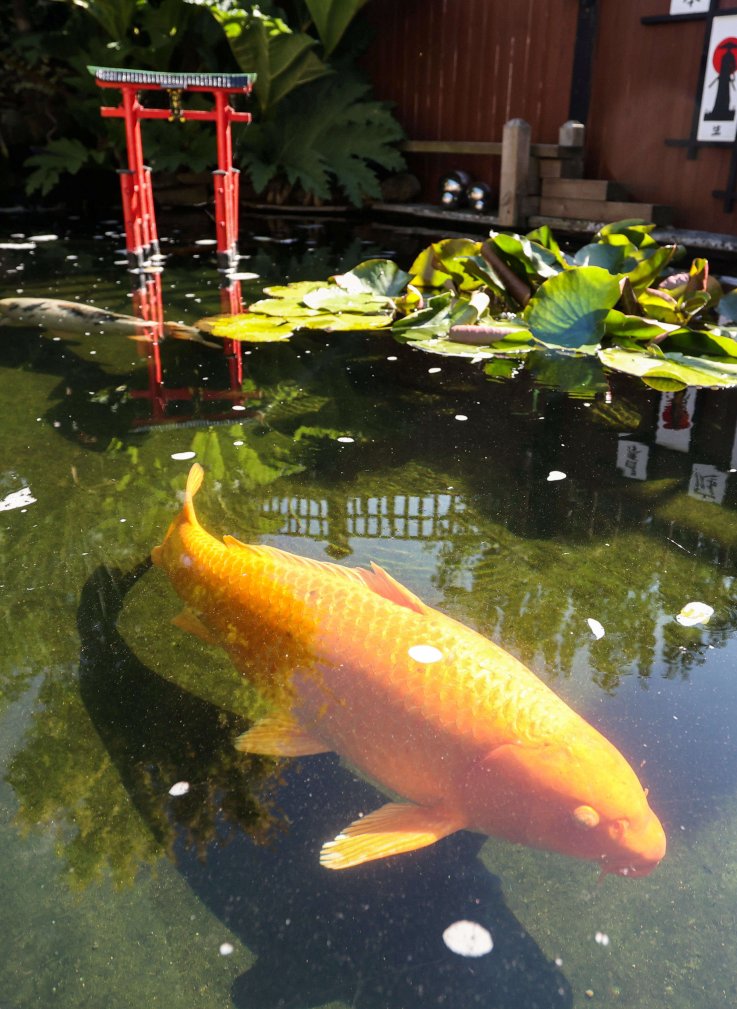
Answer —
(142, 242)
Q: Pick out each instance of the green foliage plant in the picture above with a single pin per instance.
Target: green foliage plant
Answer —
(47, 81)
(318, 134)
(317, 128)
(513, 298)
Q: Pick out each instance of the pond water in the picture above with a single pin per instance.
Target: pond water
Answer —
(351, 447)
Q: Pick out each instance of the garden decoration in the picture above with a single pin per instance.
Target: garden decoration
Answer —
(135, 181)
(617, 301)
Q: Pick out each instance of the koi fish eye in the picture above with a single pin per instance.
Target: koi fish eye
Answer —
(585, 817)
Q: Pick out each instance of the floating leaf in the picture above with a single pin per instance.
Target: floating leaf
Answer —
(608, 257)
(345, 322)
(569, 310)
(672, 371)
(449, 348)
(621, 326)
(698, 342)
(295, 291)
(649, 269)
(446, 260)
(282, 308)
(333, 299)
(374, 276)
(528, 259)
(248, 327)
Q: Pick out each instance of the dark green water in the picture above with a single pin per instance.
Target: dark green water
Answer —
(115, 893)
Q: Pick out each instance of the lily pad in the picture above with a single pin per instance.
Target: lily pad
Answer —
(344, 322)
(569, 310)
(282, 308)
(374, 276)
(333, 299)
(669, 372)
(295, 291)
(446, 260)
(248, 327)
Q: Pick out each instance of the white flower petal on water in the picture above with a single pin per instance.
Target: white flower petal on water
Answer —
(226, 948)
(425, 653)
(596, 629)
(468, 938)
(345, 439)
(182, 456)
(460, 416)
(695, 613)
(18, 499)
(602, 938)
(179, 788)
(555, 474)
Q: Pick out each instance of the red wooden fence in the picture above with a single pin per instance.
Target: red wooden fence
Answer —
(459, 69)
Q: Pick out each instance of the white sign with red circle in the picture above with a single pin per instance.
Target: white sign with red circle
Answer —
(718, 109)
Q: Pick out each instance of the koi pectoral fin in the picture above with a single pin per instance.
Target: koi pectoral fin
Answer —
(188, 621)
(394, 828)
(279, 736)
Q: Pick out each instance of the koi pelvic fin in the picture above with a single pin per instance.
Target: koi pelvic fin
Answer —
(279, 736)
(188, 621)
(394, 828)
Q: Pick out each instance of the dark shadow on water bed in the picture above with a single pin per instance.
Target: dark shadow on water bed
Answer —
(371, 936)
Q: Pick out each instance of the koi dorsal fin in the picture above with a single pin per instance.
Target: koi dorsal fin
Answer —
(382, 583)
(376, 580)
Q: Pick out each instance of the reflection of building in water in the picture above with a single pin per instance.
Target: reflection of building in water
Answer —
(396, 516)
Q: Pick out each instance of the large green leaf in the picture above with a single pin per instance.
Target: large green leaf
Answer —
(569, 310)
(620, 326)
(333, 299)
(331, 18)
(283, 60)
(446, 260)
(248, 327)
(649, 269)
(698, 342)
(374, 276)
(528, 259)
(671, 371)
(608, 257)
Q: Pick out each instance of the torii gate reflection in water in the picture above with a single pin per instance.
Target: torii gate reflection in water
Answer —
(141, 234)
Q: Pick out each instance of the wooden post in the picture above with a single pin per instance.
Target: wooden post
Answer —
(515, 167)
(572, 134)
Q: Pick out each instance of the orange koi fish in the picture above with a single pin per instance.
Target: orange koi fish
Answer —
(351, 661)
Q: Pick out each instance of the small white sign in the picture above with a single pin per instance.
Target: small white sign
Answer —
(689, 7)
(718, 109)
(707, 483)
(675, 419)
(632, 457)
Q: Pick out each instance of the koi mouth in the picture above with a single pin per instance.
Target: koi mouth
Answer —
(630, 871)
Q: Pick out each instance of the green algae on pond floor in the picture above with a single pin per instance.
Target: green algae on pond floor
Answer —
(104, 706)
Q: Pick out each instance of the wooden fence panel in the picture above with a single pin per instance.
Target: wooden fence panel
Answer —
(644, 92)
(459, 69)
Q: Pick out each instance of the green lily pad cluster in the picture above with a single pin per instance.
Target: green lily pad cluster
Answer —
(618, 300)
